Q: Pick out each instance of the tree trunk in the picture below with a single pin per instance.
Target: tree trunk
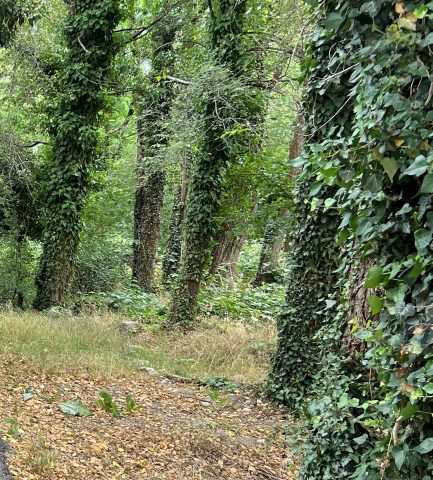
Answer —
(233, 254)
(152, 137)
(312, 263)
(227, 31)
(74, 140)
(173, 251)
(359, 309)
(272, 244)
(149, 199)
(221, 247)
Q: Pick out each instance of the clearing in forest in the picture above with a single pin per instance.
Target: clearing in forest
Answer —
(174, 430)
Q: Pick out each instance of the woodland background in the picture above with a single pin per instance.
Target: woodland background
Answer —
(207, 168)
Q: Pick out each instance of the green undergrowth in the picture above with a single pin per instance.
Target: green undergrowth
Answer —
(222, 298)
(95, 344)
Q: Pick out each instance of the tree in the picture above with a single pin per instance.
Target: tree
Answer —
(173, 252)
(276, 230)
(74, 138)
(152, 119)
(371, 415)
(226, 26)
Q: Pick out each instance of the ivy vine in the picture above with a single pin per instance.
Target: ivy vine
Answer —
(74, 138)
(370, 83)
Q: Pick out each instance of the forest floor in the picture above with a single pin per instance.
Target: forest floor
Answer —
(179, 431)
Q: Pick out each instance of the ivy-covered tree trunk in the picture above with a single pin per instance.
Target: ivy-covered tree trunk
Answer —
(312, 263)
(173, 250)
(273, 240)
(152, 136)
(74, 139)
(373, 418)
(226, 30)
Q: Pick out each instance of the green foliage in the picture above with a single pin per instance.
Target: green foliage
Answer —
(372, 107)
(145, 307)
(74, 136)
(107, 403)
(10, 15)
(312, 274)
(131, 405)
(13, 428)
(241, 302)
(219, 383)
(75, 408)
(217, 401)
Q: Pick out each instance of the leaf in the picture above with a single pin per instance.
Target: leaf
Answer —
(399, 458)
(329, 202)
(361, 440)
(28, 394)
(399, 8)
(398, 142)
(408, 411)
(75, 408)
(374, 277)
(376, 304)
(418, 167)
(427, 184)
(423, 238)
(420, 12)
(425, 446)
(390, 166)
(407, 23)
(428, 388)
(333, 21)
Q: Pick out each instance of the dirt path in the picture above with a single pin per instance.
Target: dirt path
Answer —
(176, 435)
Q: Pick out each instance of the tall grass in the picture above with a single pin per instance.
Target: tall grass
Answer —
(95, 345)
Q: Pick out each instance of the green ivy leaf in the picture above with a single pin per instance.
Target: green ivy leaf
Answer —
(427, 184)
(376, 304)
(421, 11)
(423, 238)
(390, 166)
(428, 388)
(333, 21)
(418, 167)
(399, 458)
(375, 277)
(75, 408)
(361, 440)
(425, 447)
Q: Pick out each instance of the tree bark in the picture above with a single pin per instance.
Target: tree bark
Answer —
(272, 244)
(173, 251)
(222, 245)
(151, 138)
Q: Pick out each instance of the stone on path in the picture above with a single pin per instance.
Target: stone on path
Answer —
(4, 471)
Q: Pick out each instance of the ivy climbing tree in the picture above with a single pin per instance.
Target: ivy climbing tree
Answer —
(226, 28)
(153, 113)
(74, 140)
(371, 108)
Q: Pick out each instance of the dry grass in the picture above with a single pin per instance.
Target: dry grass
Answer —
(93, 344)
